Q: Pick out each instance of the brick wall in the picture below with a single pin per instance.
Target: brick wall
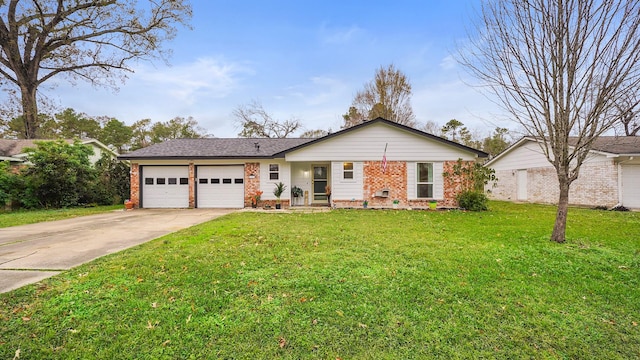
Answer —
(192, 186)
(251, 185)
(394, 178)
(597, 185)
(452, 184)
(135, 185)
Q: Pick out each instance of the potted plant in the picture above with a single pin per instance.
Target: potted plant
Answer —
(255, 199)
(128, 204)
(296, 192)
(365, 204)
(433, 205)
(280, 188)
(396, 202)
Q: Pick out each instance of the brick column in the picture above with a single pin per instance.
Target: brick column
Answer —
(135, 184)
(192, 186)
(251, 181)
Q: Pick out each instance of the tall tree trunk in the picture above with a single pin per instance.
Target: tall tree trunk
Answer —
(29, 111)
(560, 226)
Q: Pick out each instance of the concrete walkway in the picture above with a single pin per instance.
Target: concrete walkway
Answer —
(30, 253)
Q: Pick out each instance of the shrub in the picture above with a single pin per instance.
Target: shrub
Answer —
(473, 200)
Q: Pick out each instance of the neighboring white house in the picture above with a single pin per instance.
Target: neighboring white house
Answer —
(610, 175)
(13, 150)
(352, 163)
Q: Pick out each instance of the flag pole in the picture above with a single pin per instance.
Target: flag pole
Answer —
(384, 158)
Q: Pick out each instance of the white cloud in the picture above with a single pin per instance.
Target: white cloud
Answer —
(204, 78)
(339, 35)
(448, 63)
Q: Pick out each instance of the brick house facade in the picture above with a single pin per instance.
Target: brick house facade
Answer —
(182, 172)
(609, 176)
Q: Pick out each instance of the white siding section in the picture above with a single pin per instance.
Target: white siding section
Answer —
(368, 143)
(300, 177)
(346, 189)
(526, 156)
(529, 155)
(411, 181)
(438, 180)
(267, 185)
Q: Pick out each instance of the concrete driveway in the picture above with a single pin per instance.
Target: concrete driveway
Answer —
(30, 253)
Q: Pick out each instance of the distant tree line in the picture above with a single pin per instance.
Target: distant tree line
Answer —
(70, 124)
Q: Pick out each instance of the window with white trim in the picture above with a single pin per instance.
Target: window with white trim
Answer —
(347, 171)
(274, 172)
(424, 180)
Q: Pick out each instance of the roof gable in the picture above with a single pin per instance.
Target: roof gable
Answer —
(606, 145)
(392, 124)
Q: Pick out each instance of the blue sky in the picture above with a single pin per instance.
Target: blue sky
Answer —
(298, 58)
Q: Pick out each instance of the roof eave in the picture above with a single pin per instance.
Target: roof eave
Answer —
(199, 157)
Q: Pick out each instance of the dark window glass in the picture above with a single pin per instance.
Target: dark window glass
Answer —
(184, 181)
(203, 181)
(226, 181)
(215, 181)
(239, 181)
(425, 172)
(173, 181)
(425, 190)
(148, 181)
(160, 181)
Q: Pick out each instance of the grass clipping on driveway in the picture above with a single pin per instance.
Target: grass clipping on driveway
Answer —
(348, 284)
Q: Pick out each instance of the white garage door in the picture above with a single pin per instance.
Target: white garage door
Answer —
(631, 186)
(220, 186)
(165, 186)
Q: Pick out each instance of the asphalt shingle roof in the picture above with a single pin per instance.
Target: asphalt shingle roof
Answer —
(216, 148)
(10, 147)
(616, 144)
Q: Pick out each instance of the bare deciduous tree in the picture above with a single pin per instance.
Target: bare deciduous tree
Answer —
(387, 96)
(629, 107)
(255, 121)
(82, 39)
(558, 67)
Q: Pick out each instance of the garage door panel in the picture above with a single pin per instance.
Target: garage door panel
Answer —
(165, 187)
(220, 186)
(631, 186)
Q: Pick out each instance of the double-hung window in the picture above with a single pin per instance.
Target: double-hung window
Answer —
(424, 181)
(274, 172)
(347, 171)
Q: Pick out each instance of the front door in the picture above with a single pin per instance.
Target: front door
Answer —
(320, 182)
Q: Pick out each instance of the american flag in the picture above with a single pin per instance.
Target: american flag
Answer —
(384, 159)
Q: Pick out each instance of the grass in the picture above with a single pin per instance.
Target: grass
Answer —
(24, 217)
(348, 284)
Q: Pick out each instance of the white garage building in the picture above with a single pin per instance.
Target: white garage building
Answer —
(610, 176)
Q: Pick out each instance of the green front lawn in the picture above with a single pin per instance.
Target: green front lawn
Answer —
(24, 217)
(348, 284)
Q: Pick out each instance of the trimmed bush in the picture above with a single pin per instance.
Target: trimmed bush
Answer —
(473, 200)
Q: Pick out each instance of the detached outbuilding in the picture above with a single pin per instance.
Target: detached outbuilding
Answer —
(610, 175)
(378, 161)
